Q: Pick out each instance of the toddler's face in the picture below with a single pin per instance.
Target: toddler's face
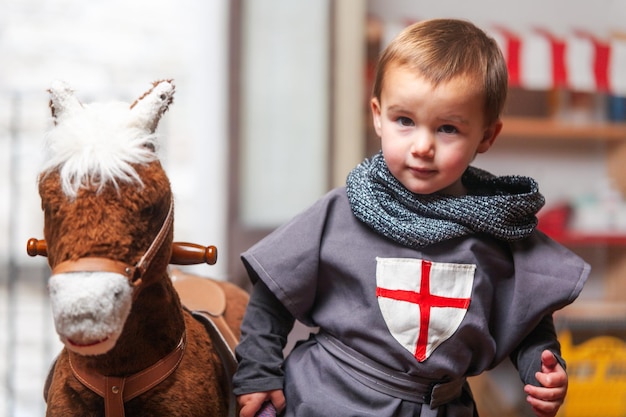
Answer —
(430, 133)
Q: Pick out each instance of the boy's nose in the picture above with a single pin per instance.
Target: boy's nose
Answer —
(423, 145)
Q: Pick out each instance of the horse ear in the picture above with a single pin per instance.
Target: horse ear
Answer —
(149, 108)
(62, 100)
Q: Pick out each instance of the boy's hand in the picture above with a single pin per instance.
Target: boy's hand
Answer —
(251, 403)
(547, 399)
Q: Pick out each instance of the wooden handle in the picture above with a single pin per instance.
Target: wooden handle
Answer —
(36, 247)
(183, 253)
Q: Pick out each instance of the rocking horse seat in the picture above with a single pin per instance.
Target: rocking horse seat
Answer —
(206, 298)
(206, 301)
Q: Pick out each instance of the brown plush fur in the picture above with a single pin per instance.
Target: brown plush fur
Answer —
(120, 224)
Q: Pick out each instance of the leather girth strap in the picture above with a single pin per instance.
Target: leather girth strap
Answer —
(118, 390)
(227, 356)
(206, 301)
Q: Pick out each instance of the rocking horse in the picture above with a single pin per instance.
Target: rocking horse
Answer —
(131, 347)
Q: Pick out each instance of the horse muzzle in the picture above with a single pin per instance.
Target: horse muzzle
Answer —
(90, 309)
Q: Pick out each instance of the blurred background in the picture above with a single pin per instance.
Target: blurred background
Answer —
(271, 111)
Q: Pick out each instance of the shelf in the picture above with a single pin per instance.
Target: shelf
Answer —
(554, 223)
(546, 128)
(573, 238)
(588, 310)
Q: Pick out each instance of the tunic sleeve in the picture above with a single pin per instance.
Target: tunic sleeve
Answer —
(287, 260)
(548, 277)
(527, 356)
(264, 330)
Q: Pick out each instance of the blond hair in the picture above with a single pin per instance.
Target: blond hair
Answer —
(442, 49)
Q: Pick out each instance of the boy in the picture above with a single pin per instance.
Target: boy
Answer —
(423, 270)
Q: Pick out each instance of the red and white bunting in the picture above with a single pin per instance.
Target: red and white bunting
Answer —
(578, 60)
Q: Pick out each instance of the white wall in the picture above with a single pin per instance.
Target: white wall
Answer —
(284, 113)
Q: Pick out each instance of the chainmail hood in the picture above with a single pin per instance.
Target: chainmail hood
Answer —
(504, 207)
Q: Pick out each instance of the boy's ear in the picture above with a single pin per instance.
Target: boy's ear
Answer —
(376, 116)
(489, 136)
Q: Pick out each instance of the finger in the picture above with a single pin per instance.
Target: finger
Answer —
(248, 410)
(278, 399)
(555, 379)
(548, 360)
(540, 413)
(543, 408)
(555, 395)
(250, 404)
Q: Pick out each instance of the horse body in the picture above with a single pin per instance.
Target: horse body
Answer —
(195, 389)
(110, 202)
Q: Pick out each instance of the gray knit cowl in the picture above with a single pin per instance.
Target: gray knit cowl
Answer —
(504, 207)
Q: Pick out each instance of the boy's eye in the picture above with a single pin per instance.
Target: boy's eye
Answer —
(448, 129)
(405, 121)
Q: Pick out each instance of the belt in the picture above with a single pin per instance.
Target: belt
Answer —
(389, 381)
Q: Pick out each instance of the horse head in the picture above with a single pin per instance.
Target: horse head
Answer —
(108, 218)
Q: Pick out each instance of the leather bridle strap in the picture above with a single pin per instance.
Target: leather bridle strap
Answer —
(133, 273)
(93, 264)
(118, 390)
(148, 256)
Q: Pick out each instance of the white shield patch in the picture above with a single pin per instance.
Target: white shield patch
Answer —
(423, 302)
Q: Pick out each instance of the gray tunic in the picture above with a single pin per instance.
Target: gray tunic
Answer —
(322, 267)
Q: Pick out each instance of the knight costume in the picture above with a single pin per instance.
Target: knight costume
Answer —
(411, 293)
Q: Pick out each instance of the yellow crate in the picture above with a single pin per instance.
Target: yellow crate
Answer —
(596, 370)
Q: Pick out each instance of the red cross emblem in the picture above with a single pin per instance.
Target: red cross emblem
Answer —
(423, 302)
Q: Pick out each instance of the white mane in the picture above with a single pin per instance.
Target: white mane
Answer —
(97, 146)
